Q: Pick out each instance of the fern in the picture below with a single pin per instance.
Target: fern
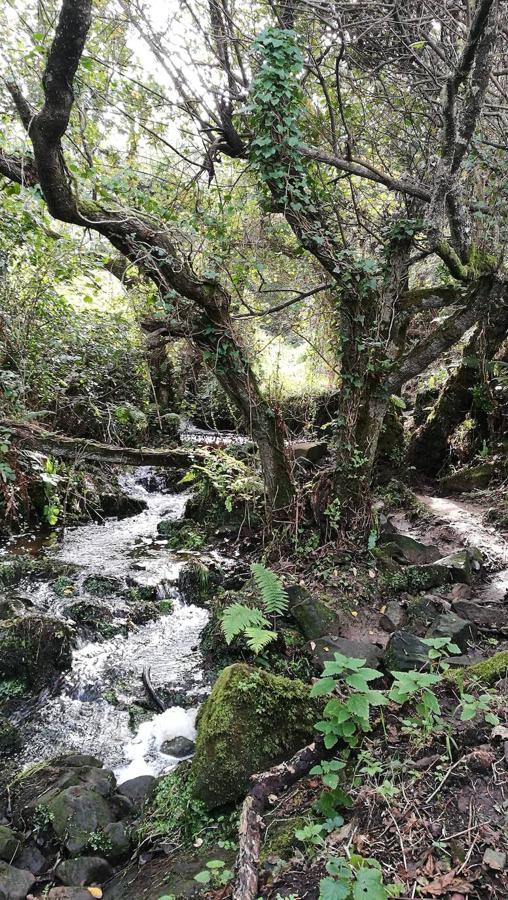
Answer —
(253, 624)
(237, 618)
(274, 597)
(259, 638)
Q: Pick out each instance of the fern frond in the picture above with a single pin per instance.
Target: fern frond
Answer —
(237, 618)
(274, 597)
(258, 638)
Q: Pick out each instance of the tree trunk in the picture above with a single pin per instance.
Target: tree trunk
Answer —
(429, 444)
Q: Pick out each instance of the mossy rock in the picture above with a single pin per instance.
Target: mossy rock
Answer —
(10, 738)
(197, 582)
(487, 671)
(34, 648)
(181, 535)
(469, 479)
(251, 721)
(102, 586)
(312, 615)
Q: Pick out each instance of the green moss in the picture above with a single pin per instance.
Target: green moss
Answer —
(10, 739)
(102, 585)
(181, 535)
(63, 586)
(280, 840)
(486, 671)
(251, 721)
(34, 648)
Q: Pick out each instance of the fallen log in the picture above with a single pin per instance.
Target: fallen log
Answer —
(152, 693)
(54, 444)
(264, 786)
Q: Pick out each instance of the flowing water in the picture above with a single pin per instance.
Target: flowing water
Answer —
(91, 713)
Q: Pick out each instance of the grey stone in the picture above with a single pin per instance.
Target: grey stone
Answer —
(394, 616)
(405, 652)
(31, 858)
(491, 618)
(68, 893)
(461, 564)
(15, 883)
(326, 648)
(460, 631)
(312, 616)
(119, 842)
(411, 550)
(76, 813)
(314, 451)
(180, 747)
(10, 842)
(136, 789)
(85, 870)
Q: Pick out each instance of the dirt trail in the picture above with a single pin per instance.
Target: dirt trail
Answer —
(460, 523)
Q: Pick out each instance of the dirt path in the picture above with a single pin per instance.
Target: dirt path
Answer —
(460, 523)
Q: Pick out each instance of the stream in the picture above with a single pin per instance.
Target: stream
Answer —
(91, 714)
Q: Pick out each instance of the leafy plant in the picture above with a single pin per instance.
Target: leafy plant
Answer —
(347, 714)
(471, 706)
(215, 873)
(255, 625)
(356, 878)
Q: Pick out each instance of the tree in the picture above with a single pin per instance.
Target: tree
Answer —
(375, 132)
(203, 303)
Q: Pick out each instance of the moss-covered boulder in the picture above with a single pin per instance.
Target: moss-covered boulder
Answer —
(469, 478)
(197, 582)
(312, 615)
(251, 721)
(34, 648)
(10, 738)
(76, 814)
(487, 671)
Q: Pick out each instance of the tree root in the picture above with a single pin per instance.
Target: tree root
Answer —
(264, 786)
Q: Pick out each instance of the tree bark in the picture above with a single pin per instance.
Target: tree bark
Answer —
(264, 785)
(94, 451)
(428, 447)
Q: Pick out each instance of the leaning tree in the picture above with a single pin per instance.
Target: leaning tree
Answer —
(376, 132)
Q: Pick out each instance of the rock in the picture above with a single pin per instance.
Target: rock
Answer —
(460, 592)
(421, 612)
(411, 550)
(251, 721)
(14, 883)
(137, 789)
(10, 842)
(460, 631)
(119, 842)
(424, 578)
(405, 652)
(68, 893)
(197, 582)
(314, 451)
(77, 760)
(314, 618)
(494, 859)
(10, 738)
(394, 617)
(31, 858)
(180, 747)
(76, 813)
(326, 647)
(462, 564)
(468, 478)
(490, 618)
(34, 648)
(487, 671)
(84, 870)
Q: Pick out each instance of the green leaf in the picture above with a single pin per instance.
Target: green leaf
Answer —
(329, 889)
(322, 687)
(237, 617)
(203, 877)
(259, 638)
(359, 705)
(215, 864)
(274, 597)
(369, 885)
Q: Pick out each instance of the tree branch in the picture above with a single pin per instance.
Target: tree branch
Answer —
(275, 309)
